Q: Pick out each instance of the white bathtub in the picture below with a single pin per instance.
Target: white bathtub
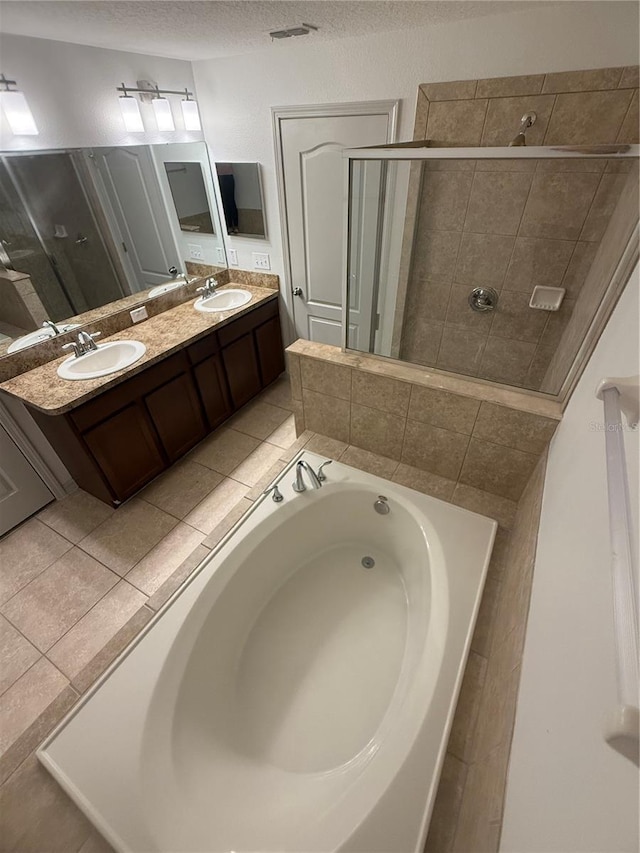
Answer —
(287, 698)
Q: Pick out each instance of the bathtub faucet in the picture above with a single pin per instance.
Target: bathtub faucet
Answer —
(299, 485)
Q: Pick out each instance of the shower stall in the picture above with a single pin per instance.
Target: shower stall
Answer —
(496, 263)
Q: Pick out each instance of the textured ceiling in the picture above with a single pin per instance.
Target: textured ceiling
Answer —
(211, 28)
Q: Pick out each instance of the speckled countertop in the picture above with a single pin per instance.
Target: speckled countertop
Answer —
(163, 335)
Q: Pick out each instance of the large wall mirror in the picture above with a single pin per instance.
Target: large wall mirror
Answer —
(242, 199)
(93, 226)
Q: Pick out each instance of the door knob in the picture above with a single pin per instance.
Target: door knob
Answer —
(297, 291)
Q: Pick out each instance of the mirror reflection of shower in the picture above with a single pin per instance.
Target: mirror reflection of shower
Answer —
(242, 201)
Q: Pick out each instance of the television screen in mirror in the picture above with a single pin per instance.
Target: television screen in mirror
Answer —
(190, 197)
(242, 201)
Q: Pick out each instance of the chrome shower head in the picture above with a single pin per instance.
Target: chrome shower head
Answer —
(527, 120)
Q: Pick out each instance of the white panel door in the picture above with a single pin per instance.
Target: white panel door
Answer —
(22, 492)
(314, 190)
(130, 181)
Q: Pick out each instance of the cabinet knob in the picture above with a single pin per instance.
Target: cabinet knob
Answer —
(297, 291)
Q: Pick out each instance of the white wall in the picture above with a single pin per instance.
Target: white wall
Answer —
(236, 93)
(71, 90)
(567, 789)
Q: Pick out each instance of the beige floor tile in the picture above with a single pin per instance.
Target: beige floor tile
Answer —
(300, 442)
(324, 446)
(279, 393)
(466, 717)
(182, 488)
(266, 480)
(25, 700)
(224, 450)
(483, 634)
(424, 481)
(447, 806)
(215, 506)
(484, 503)
(258, 419)
(256, 464)
(16, 654)
(159, 598)
(231, 518)
(95, 843)
(25, 553)
(45, 609)
(285, 435)
(36, 816)
(131, 532)
(364, 460)
(75, 516)
(88, 636)
(162, 561)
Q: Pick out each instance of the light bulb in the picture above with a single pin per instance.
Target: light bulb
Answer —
(18, 114)
(164, 117)
(191, 115)
(131, 114)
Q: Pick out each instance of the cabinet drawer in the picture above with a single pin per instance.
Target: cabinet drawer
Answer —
(245, 324)
(203, 349)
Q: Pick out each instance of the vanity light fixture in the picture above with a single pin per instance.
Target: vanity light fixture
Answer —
(161, 107)
(16, 109)
(130, 110)
(190, 113)
(162, 110)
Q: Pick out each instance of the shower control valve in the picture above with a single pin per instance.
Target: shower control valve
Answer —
(321, 475)
(277, 494)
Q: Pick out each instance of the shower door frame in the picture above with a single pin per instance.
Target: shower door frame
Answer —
(620, 268)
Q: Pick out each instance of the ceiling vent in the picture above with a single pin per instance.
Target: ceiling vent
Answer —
(301, 30)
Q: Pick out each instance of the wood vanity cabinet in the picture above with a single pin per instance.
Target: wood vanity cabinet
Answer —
(117, 442)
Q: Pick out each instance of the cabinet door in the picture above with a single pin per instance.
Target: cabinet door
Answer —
(212, 386)
(125, 449)
(241, 367)
(177, 415)
(270, 353)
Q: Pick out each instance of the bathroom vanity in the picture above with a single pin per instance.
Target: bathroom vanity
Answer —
(116, 433)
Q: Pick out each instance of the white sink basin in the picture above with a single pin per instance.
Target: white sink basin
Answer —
(159, 289)
(108, 358)
(223, 300)
(38, 336)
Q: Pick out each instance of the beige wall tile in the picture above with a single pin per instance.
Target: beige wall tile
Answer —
(579, 266)
(498, 706)
(26, 699)
(129, 534)
(325, 446)
(464, 723)
(506, 360)
(501, 509)
(163, 559)
(421, 340)
(480, 815)
(89, 636)
(504, 115)
(568, 164)
(424, 481)
(96, 844)
(373, 463)
(456, 123)
(435, 254)
(484, 629)
(16, 654)
(422, 113)
(538, 368)
(182, 487)
(441, 409)
(538, 261)
(76, 515)
(630, 77)
(300, 442)
(426, 300)
(461, 315)
(379, 432)
(497, 202)
(591, 118)
(380, 392)
(583, 81)
(500, 554)
(36, 815)
(483, 259)
(258, 419)
(332, 379)
(629, 130)
(496, 468)
(327, 415)
(506, 164)
(504, 87)
(515, 319)
(224, 450)
(45, 609)
(433, 449)
(512, 428)
(606, 198)
(25, 553)
(456, 90)
(556, 324)
(298, 416)
(461, 350)
(558, 205)
(293, 369)
(443, 201)
(446, 808)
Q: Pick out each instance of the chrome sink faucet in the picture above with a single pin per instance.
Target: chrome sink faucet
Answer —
(299, 485)
(49, 324)
(209, 287)
(83, 343)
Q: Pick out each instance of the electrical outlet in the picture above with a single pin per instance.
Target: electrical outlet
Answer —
(195, 252)
(261, 261)
(233, 257)
(220, 256)
(139, 314)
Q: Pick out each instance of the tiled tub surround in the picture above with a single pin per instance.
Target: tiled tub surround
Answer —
(510, 225)
(462, 435)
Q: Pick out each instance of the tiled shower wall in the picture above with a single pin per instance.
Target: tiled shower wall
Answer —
(510, 225)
